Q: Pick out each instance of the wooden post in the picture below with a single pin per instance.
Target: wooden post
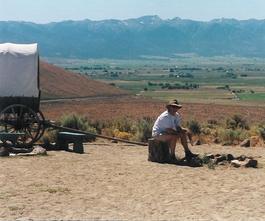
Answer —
(158, 151)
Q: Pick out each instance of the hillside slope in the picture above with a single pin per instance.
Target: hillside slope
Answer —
(56, 82)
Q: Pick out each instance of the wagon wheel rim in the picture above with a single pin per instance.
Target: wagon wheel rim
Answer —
(19, 118)
(42, 126)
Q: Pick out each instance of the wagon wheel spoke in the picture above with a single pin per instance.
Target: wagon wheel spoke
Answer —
(28, 129)
(29, 133)
(8, 128)
(20, 112)
(13, 110)
(12, 130)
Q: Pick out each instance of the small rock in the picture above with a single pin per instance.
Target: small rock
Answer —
(207, 158)
(251, 163)
(114, 141)
(210, 155)
(230, 157)
(245, 143)
(241, 158)
(223, 163)
(220, 158)
(236, 163)
(38, 150)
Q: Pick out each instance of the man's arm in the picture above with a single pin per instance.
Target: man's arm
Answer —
(174, 132)
(178, 130)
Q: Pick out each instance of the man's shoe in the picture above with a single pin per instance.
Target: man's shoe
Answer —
(189, 155)
(173, 159)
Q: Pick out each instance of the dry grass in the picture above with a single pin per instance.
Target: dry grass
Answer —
(137, 108)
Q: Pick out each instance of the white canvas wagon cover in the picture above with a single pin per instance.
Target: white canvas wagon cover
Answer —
(19, 70)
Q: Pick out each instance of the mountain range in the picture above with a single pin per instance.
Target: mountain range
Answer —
(140, 37)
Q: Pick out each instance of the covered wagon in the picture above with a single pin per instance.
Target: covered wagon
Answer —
(20, 93)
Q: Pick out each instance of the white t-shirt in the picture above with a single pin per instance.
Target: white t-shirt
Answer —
(164, 121)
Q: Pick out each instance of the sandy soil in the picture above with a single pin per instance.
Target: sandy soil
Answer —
(116, 182)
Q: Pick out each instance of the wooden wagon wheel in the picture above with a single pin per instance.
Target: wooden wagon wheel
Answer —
(42, 125)
(22, 120)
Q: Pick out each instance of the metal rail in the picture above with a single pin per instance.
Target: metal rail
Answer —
(52, 125)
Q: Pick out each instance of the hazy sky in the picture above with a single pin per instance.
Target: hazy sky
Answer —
(44, 11)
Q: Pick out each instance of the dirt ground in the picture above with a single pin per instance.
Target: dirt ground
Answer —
(116, 182)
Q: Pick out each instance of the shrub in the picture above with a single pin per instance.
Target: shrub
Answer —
(122, 124)
(231, 136)
(206, 131)
(98, 125)
(121, 128)
(77, 122)
(194, 127)
(262, 132)
(212, 124)
(143, 129)
(122, 134)
(107, 132)
(237, 121)
(228, 136)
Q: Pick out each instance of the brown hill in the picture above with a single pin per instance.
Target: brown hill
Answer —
(55, 82)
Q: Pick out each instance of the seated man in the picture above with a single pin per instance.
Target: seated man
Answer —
(167, 128)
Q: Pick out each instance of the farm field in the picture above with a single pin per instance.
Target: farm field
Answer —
(218, 80)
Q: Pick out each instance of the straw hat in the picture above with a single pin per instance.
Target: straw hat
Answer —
(174, 103)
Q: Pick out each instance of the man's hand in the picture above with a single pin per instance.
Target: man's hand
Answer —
(181, 129)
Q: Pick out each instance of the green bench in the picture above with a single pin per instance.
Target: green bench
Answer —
(64, 138)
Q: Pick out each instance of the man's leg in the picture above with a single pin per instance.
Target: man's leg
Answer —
(172, 145)
(171, 140)
(184, 142)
